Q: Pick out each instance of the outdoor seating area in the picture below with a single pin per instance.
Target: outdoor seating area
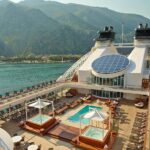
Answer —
(64, 130)
(137, 137)
(14, 112)
(140, 103)
(87, 99)
(21, 144)
(26, 90)
(18, 140)
(113, 107)
(40, 129)
(61, 106)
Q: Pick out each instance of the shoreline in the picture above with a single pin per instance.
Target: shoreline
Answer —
(32, 62)
(40, 59)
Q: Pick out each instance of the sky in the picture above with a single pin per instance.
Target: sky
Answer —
(141, 7)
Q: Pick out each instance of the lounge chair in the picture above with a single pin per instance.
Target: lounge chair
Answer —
(138, 141)
(133, 146)
(87, 101)
(138, 128)
(133, 136)
(139, 105)
(79, 101)
(61, 110)
(141, 118)
(138, 133)
(108, 102)
(50, 113)
(73, 105)
(141, 115)
(141, 122)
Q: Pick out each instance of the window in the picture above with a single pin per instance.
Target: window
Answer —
(148, 51)
(148, 64)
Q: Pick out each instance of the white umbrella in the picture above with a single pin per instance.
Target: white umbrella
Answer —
(5, 140)
(95, 115)
(39, 104)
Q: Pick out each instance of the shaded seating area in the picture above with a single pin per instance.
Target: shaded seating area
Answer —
(94, 136)
(40, 129)
(40, 123)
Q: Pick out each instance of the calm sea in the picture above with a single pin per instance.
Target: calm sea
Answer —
(19, 76)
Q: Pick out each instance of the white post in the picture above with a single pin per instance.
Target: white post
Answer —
(80, 125)
(103, 129)
(40, 113)
(53, 108)
(26, 109)
(109, 119)
(9, 111)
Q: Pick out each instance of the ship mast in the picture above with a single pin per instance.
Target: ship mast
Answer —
(122, 33)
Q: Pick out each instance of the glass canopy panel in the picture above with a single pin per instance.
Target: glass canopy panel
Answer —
(110, 64)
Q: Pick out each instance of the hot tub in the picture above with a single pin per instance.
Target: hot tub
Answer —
(94, 136)
(40, 119)
(95, 133)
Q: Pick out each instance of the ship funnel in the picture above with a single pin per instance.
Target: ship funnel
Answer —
(140, 26)
(142, 32)
(106, 28)
(111, 28)
(106, 34)
(146, 25)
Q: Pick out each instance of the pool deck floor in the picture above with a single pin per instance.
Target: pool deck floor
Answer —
(125, 123)
(64, 132)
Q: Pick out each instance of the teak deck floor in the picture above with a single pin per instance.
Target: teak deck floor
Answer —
(64, 132)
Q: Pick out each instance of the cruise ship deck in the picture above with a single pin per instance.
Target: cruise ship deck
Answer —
(114, 88)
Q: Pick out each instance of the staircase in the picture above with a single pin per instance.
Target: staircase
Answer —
(68, 75)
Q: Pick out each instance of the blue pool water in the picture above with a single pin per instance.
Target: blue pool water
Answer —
(95, 133)
(76, 117)
(40, 119)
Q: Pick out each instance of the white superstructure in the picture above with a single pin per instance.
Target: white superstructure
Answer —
(106, 69)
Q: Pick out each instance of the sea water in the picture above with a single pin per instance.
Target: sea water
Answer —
(19, 76)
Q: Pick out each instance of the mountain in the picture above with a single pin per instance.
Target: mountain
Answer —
(5, 50)
(93, 17)
(45, 27)
(30, 30)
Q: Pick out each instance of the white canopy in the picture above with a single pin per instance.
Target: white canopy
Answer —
(95, 115)
(39, 104)
(5, 140)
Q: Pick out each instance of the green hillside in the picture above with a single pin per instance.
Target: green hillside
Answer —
(44, 27)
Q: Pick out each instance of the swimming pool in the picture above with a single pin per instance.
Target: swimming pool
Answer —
(76, 117)
(95, 133)
(39, 119)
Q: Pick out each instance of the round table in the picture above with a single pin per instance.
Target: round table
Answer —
(33, 147)
(16, 139)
